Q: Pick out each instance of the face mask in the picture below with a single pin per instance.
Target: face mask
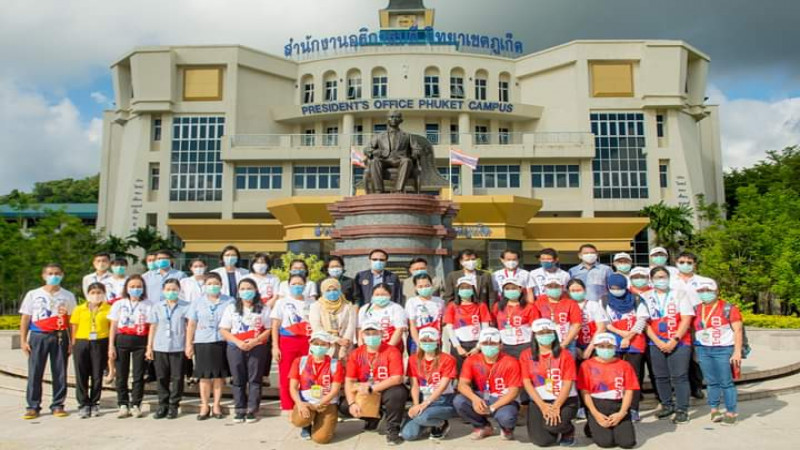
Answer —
(547, 265)
(198, 271)
(213, 289)
(512, 294)
(162, 264)
(686, 267)
(589, 258)
(318, 350)
(469, 264)
(135, 292)
(378, 265)
(617, 292)
(707, 297)
(101, 266)
(332, 295)
(300, 272)
(624, 268)
(490, 350)
(428, 347)
(658, 260)
(511, 265)
(578, 296)
(53, 280)
(335, 272)
(661, 284)
(425, 292)
(554, 293)
(372, 340)
(296, 290)
(170, 295)
(260, 268)
(96, 299)
(605, 353)
(639, 282)
(381, 300)
(545, 339)
(151, 265)
(230, 261)
(419, 272)
(118, 270)
(466, 293)
(247, 295)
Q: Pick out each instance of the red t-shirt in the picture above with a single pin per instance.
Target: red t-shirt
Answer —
(564, 313)
(318, 374)
(548, 374)
(492, 379)
(514, 322)
(712, 328)
(430, 376)
(466, 319)
(387, 362)
(607, 380)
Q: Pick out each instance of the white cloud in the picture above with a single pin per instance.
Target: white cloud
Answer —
(751, 127)
(42, 140)
(99, 98)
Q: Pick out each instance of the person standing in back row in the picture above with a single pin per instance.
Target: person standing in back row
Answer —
(484, 292)
(366, 280)
(593, 274)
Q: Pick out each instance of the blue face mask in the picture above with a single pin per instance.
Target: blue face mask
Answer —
(490, 350)
(332, 295)
(213, 289)
(135, 292)
(658, 260)
(605, 353)
(554, 293)
(547, 265)
(300, 272)
(428, 347)
(661, 284)
(118, 270)
(373, 341)
(170, 295)
(426, 291)
(686, 268)
(639, 282)
(335, 272)
(546, 339)
(466, 293)
(578, 296)
(318, 350)
(247, 295)
(53, 280)
(151, 265)
(419, 272)
(707, 296)
(162, 264)
(296, 290)
(378, 265)
(512, 294)
(380, 300)
(619, 293)
(624, 268)
(230, 261)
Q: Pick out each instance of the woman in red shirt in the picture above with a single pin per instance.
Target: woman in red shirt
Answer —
(607, 386)
(555, 304)
(465, 317)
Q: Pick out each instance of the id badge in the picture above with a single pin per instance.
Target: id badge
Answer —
(92, 336)
(169, 332)
(486, 396)
(316, 391)
(426, 392)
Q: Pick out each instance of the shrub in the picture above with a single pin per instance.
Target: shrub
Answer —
(766, 321)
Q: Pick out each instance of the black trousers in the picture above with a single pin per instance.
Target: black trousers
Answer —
(650, 374)
(47, 347)
(460, 359)
(695, 374)
(130, 352)
(169, 376)
(637, 361)
(623, 435)
(393, 407)
(544, 435)
(91, 359)
(247, 371)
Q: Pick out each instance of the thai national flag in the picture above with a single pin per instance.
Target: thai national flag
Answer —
(356, 158)
(458, 158)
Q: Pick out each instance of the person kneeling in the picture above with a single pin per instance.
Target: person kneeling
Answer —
(496, 376)
(432, 373)
(548, 375)
(314, 385)
(375, 370)
(607, 386)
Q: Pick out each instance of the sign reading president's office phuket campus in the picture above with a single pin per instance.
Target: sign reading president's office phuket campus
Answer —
(406, 103)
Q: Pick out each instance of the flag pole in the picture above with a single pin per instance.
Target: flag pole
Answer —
(450, 171)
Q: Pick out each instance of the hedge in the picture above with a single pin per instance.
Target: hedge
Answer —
(9, 322)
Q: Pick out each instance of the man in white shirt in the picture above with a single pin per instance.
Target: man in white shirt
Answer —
(659, 257)
(548, 260)
(155, 280)
(101, 262)
(511, 261)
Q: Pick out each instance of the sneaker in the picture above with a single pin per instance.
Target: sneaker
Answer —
(85, 412)
(173, 413)
(681, 417)
(161, 413)
(587, 431)
(581, 414)
(108, 380)
(95, 411)
(136, 411)
(441, 432)
(250, 418)
(393, 438)
(371, 424)
(59, 412)
(508, 435)
(635, 417)
(124, 412)
(698, 394)
(238, 418)
(665, 412)
(717, 416)
(729, 419)
(30, 414)
(481, 432)
(567, 440)
(305, 433)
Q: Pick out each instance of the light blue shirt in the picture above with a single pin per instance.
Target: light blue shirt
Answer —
(207, 315)
(171, 326)
(595, 278)
(154, 281)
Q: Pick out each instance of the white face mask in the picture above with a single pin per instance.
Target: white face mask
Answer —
(589, 258)
(198, 271)
(469, 264)
(511, 265)
(260, 268)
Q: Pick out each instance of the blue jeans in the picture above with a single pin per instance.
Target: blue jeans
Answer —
(506, 416)
(716, 366)
(433, 416)
(672, 374)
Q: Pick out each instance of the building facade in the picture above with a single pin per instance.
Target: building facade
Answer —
(228, 144)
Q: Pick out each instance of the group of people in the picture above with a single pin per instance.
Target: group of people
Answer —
(545, 347)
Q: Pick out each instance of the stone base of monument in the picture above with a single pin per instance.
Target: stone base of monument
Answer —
(406, 226)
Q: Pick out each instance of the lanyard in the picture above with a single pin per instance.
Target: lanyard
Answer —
(93, 316)
(170, 312)
(704, 317)
(212, 309)
(372, 362)
(662, 305)
(492, 369)
(133, 311)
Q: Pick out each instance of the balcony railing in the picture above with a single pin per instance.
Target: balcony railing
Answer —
(359, 140)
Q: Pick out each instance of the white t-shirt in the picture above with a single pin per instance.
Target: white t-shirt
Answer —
(246, 325)
(425, 313)
(114, 287)
(268, 286)
(94, 278)
(192, 289)
(43, 309)
(391, 318)
(223, 273)
(499, 276)
(690, 286)
(293, 315)
(537, 277)
(591, 312)
(310, 291)
(130, 318)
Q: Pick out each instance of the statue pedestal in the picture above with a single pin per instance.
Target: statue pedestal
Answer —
(406, 226)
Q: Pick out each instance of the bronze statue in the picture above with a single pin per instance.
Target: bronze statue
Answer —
(410, 155)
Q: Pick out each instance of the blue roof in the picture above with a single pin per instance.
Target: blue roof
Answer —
(79, 210)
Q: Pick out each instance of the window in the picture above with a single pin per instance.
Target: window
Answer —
(331, 138)
(358, 134)
(456, 87)
(501, 176)
(481, 135)
(155, 176)
(431, 86)
(331, 90)
(358, 175)
(196, 168)
(316, 177)
(157, 129)
(354, 88)
(378, 128)
(660, 125)
(379, 85)
(503, 91)
(309, 138)
(454, 133)
(556, 176)
(258, 178)
(480, 88)
(308, 92)
(151, 220)
(619, 167)
(663, 175)
(432, 132)
(454, 175)
(503, 136)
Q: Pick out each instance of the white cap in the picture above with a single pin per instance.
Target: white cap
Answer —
(323, 336)
(622, 255)
(550, 279)
(707, 283)
(658, 250)
(636, 271)
(512, 280)
(466, 280)
(489, 335)
(371, 325)
(429, 333)
(542, 325)
(604, 338)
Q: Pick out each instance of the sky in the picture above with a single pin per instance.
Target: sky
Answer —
(55, 79)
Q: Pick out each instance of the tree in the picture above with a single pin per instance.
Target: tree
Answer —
(149, 239)
(672, 225)
(118, 247)
(312, 261)
(780, 168)
(67, 190)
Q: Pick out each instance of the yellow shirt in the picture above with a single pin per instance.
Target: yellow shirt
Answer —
(83, 316)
